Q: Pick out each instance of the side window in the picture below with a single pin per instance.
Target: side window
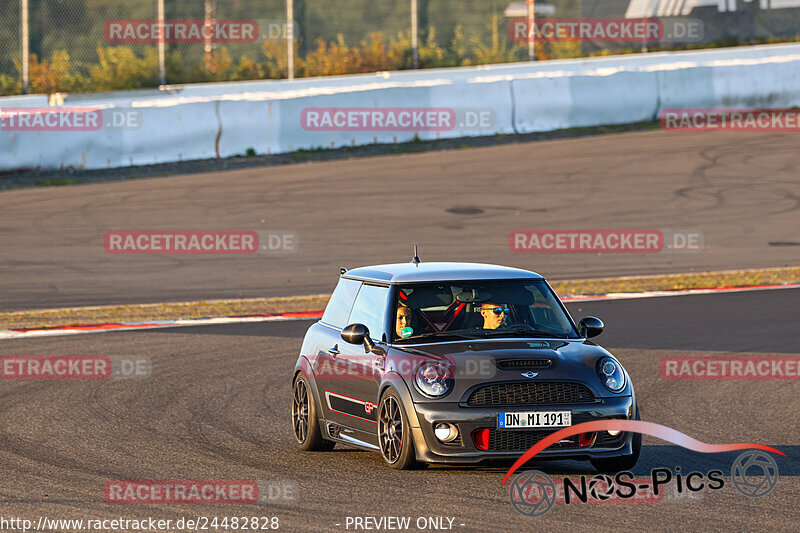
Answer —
(370, 309)
(341, 302)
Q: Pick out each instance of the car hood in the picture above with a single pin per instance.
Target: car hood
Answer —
(484, 361)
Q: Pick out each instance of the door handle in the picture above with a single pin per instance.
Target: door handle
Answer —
(334, 351)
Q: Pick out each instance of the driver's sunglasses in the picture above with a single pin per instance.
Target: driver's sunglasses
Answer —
(498, 310)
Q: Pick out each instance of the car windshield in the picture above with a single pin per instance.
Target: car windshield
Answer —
(479, 309)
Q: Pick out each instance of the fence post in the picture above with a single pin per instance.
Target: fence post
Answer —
(414, 37)
(208, 13)
(531, 31)
(162, 67)
(290, 39)
(299, 27)
(24, 47)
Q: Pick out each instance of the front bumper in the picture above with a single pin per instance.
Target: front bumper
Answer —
(510, 445)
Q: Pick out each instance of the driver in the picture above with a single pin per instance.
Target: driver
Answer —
(493, 315)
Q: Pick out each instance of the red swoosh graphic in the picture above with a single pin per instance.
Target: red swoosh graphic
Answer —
(635, 426)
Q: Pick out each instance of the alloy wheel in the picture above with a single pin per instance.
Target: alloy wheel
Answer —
(300, 410)
(390, 429)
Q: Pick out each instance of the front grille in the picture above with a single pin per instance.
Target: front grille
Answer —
(518, 441)
(523, 363)
(530, 393)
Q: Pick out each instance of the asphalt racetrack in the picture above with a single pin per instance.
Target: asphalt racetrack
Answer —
(739, 190)
(217, 407)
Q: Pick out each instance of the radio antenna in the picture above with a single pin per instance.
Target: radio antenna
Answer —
(415, 259)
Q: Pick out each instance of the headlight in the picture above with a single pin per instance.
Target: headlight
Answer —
(433, 379)
(611, 374)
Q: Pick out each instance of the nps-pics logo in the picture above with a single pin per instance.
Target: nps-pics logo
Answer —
(534, 493)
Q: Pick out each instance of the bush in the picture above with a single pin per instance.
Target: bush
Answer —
(56, 74)
(119, 68)
(9, 85)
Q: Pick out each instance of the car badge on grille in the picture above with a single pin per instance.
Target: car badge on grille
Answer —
(530, 374)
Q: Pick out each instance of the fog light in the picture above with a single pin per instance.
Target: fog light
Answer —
(446, 432)
(481, 439)
(614, 433)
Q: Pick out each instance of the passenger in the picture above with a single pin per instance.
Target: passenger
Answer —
(403, 321)
(493, 315)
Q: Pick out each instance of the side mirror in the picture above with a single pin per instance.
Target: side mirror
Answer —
(355, 334)
(359, 334)
(590, 326)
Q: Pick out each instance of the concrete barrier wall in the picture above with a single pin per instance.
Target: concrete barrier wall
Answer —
(225, 119)
(766, 82)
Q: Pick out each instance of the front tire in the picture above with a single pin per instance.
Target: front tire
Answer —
(305, 424)
(394, 434)
(623, 462)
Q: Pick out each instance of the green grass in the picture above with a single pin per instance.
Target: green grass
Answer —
(51, 182)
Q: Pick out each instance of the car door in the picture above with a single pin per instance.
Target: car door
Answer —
(353, 398)
(325, 359)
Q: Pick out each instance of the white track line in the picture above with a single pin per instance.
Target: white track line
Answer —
(135, 326)
(686, 292)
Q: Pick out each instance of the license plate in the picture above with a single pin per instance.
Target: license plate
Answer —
(534, 419)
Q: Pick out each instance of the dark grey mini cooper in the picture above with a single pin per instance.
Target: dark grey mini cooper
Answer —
(457, 363)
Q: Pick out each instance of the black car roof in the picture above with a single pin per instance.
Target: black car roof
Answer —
(441, 271)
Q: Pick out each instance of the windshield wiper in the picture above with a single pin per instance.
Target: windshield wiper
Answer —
(441, 335)
(524, 331)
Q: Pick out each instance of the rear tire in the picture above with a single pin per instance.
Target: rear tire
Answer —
(305, 424)
(394, 434)
(623, 462)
